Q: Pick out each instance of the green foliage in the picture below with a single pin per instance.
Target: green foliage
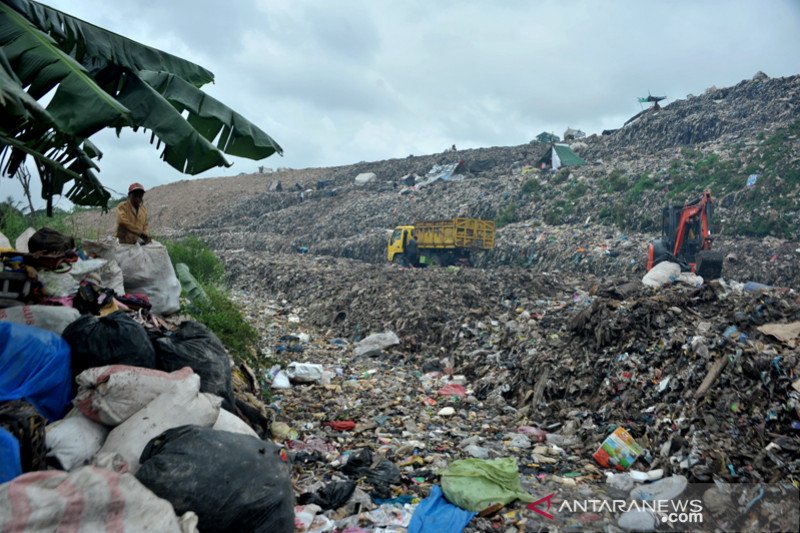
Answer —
(506, 216)
(576, 190)
(13, 223)
(531, 186)
(644, 183)
(222, 317)
(560, 177)
(614, 214)
(137, 87)
(616, 181)
(202, 262)
(220, 314)
(559, 213)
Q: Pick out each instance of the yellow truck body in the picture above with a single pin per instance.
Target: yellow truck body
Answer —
(442, 242)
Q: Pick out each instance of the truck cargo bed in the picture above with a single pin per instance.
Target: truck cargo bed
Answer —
(455, 233)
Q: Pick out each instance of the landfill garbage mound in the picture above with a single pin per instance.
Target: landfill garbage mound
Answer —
(734, 112)
(497, 363)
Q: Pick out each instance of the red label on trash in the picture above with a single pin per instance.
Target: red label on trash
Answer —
(453, 389)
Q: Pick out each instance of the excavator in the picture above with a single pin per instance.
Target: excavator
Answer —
(686, 239)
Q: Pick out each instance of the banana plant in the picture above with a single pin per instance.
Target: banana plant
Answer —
(99, 79)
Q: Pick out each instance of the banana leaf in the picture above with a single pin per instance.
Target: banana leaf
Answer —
(95, 47)
(79, 106)
(211, 118)
(186, 150)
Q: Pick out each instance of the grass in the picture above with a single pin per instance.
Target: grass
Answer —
(13, 223)
(506, 216)
(220, 314)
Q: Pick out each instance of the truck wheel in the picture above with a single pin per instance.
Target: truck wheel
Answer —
(400, 259)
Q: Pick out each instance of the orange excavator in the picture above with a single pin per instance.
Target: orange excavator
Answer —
(686, 239)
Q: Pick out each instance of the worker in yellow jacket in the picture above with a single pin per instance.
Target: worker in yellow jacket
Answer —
(132, 217)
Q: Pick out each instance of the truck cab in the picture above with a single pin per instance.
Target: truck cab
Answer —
(397, 243)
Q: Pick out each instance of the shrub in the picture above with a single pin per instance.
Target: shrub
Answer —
(202, 262)
(506, 216)
(531, 186)
(220, 314)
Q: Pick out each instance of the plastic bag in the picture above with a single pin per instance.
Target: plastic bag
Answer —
(35, 365)
(662, 273)
(50, 317)
(73, 441)
(196, 346)
(359, 464)
(233, 482)
(57, 285)
(87, 499)
(228, 421)
(21, 244)
(147, 269)
(475, 484)
(189, 284)
(435, 514)
(112, 394)
(331, 496)
(11, 465)
(304, 372)
(112, 339)
(167, 411)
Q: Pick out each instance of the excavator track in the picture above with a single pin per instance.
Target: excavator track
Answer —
(709, 264)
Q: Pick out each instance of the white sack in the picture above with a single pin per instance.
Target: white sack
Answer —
(50, 317)
(112, 394)
(147, 269)
(4, 242)
(375, 343)
(662, 273)
(21, 244)
(74, 440)
(165, 412)
(304, 372)
(88, 499)
(231, 423)
(58, 285)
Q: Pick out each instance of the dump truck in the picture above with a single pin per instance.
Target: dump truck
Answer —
(441, 242)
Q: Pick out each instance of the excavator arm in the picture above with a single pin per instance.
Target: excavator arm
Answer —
(687, 239)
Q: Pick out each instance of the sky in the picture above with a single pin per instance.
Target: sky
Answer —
(336, 82)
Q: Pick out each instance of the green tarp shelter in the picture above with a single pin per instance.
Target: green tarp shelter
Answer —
(560, 155)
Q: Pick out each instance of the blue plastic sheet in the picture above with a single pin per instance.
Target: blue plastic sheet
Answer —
(10, 464)
(435, 514)
(35, 367)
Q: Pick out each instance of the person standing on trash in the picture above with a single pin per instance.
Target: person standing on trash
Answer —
(132, 224)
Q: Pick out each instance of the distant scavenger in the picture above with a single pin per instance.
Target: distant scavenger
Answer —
(132, 217)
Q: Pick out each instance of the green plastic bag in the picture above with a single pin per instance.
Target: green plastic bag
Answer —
(475, 484)
(190, 285)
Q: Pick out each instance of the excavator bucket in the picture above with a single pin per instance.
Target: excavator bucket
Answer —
(709, 264)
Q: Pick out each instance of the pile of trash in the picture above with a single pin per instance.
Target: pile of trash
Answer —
(573, 389)
(132, 419)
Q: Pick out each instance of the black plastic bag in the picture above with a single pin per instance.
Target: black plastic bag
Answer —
(50, 240)
(195, 346)
(233, 482)
(381, 476)
(115, 339)
(331, 496)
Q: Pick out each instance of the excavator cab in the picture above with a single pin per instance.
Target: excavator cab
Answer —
(686, 239)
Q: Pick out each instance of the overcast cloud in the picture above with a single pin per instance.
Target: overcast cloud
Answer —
(341, 81)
